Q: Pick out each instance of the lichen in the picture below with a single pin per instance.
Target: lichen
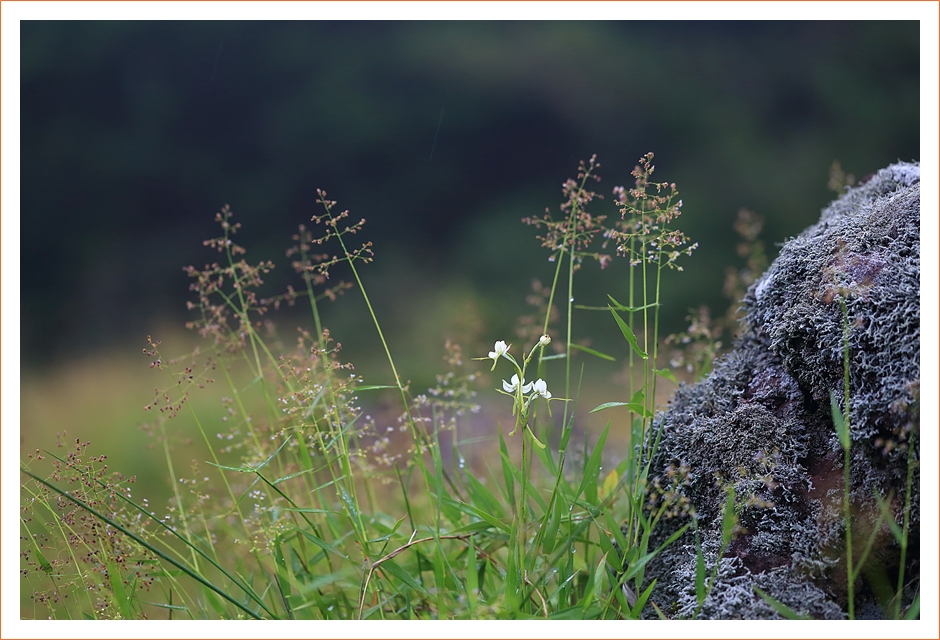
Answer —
(761, 420)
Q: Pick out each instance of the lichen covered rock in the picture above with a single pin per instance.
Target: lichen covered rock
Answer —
(762, 423)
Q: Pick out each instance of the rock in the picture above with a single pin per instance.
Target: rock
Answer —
(762, 423)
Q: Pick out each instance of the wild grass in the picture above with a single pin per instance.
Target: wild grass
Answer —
(305, 506)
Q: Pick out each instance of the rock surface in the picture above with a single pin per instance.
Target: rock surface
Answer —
(762, 421)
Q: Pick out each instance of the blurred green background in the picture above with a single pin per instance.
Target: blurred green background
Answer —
(442, 135)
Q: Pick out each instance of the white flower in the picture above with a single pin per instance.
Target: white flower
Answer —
(541, 389)
(545, 340)
(513, 384)
(500, 349)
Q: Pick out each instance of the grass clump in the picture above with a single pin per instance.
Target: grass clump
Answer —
(322, 495)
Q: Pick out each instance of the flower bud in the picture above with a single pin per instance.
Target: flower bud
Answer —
(545, 340)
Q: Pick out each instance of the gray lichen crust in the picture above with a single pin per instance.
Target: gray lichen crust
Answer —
(762, 421)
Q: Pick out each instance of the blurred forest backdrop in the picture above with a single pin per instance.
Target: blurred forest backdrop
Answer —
(442, 135)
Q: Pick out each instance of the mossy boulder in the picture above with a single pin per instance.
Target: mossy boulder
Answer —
(762, 422)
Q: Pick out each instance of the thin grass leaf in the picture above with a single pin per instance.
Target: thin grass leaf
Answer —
(914, 610)
(165, 606)
(472, 584)
(635, 567)
(699, 572)
(214, 602)
(273, 455)
(621, 307)
(323, 544)
(305, 509)
(545, 455)
(195, 576)
(779, 607)
(117, 587)
(440, 582)
(238, 469)
(617, 533)
(401, 575)
(602, 356)
(291, 476)
(475, 511)
(628, 334)
(592, 469)
(551, 530)
(511, 592)
(610, 484)
(641, 601)
(595, 583)
(838, 419)
(729, 518)
(667, 374)
(282, 576)
(483, 497)
(508, 468)
(373, 387)
(889, 518)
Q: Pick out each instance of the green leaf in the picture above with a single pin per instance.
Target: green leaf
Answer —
(603, 356)
(621, 307)
(372, 387)
(638, 409)
(475, 527)
(511, 594)
(699, 571)
(838, 419)
(305, 509)
(293, 475)
(628, 334)
(43, 563)
(610, 483)
(889, 518)
(117, 587)
(551, 530)
(619, 538)
(472, 584)
(641, 601)
(395, 570)
(729, 518)
(475, 511)
(273, 455)
(592, 469)
(779, 607)
(238, 469)
(326, 546)
(160, 554)
(667, 374)
(440, 583)
(595, 584)
(507, 470)
(483, 497)
(914, 609)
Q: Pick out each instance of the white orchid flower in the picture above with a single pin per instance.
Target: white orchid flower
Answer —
(541, 389)
(500, 349)
(513, 384)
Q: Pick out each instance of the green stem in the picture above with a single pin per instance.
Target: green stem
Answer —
(847, 462)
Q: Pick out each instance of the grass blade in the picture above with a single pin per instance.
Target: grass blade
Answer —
(602, 356)
(195, 576)
(779, 607)
(628, 334)
(592, 469)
